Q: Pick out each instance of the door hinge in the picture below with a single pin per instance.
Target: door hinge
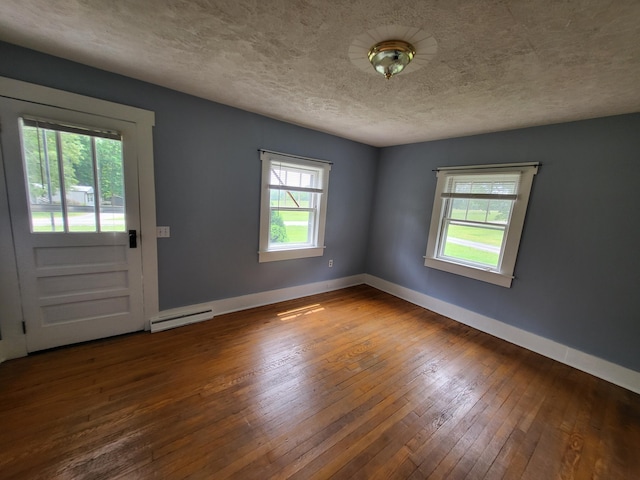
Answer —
(24, 328)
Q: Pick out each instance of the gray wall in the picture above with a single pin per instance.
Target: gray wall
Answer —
(577, 276)
(207, 172)
(578, 269)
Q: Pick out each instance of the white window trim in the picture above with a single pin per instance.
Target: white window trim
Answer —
(266, 254)
(504, 276)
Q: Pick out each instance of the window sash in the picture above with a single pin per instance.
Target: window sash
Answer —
(474, 223)
(444, 240)
(447, 219)
(311, 226)
(295, 189)
(294, 209)
(480, 196)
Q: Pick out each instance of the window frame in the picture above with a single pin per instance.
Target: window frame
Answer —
(503, 274)
(316, 247)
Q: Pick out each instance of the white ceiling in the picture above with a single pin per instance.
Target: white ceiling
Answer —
(499, 64)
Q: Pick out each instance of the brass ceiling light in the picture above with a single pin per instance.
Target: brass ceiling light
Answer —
(391, 56)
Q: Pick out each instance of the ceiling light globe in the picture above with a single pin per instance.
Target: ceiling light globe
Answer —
(391, 57)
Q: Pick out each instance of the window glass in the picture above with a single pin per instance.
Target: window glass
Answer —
(293, 212)
(75, 178)
(111, 175)
(473, 229)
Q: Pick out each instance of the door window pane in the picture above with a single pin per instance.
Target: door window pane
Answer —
(111, 174)
(77, 163)
(43, 174)
(75, 178)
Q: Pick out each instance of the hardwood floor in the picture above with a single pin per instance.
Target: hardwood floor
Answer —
(347, 384)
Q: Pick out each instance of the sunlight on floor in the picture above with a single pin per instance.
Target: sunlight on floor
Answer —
(298, 312)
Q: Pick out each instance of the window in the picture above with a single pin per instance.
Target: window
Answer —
(75, 178)
(477, 220)
(293, 206)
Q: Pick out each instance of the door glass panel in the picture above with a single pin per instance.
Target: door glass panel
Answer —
(90, 197)
(111, 174)
(43, 174)
(77, 162)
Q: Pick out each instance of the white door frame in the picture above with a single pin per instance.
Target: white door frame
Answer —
(13, 342)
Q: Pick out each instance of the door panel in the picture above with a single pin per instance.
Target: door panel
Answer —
(79, 278)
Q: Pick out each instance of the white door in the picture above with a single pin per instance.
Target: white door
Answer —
(73, 197)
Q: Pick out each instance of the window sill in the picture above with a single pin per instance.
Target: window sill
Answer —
(289, 254)
(495, 278)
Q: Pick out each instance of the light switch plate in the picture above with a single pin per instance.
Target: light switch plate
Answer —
(163, 232)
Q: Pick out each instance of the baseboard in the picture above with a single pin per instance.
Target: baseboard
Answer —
(243, 302)
(611, 372)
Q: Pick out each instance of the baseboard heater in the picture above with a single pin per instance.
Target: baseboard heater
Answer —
(159, 324)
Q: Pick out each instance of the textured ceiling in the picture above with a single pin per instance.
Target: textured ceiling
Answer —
(499, 64)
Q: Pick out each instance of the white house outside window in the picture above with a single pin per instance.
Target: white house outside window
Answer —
(477, 220)
(293, 207)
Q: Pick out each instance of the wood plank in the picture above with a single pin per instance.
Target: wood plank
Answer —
(349, 384)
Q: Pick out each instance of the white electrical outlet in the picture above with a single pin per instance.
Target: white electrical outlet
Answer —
(331, 263)
(163, 232)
